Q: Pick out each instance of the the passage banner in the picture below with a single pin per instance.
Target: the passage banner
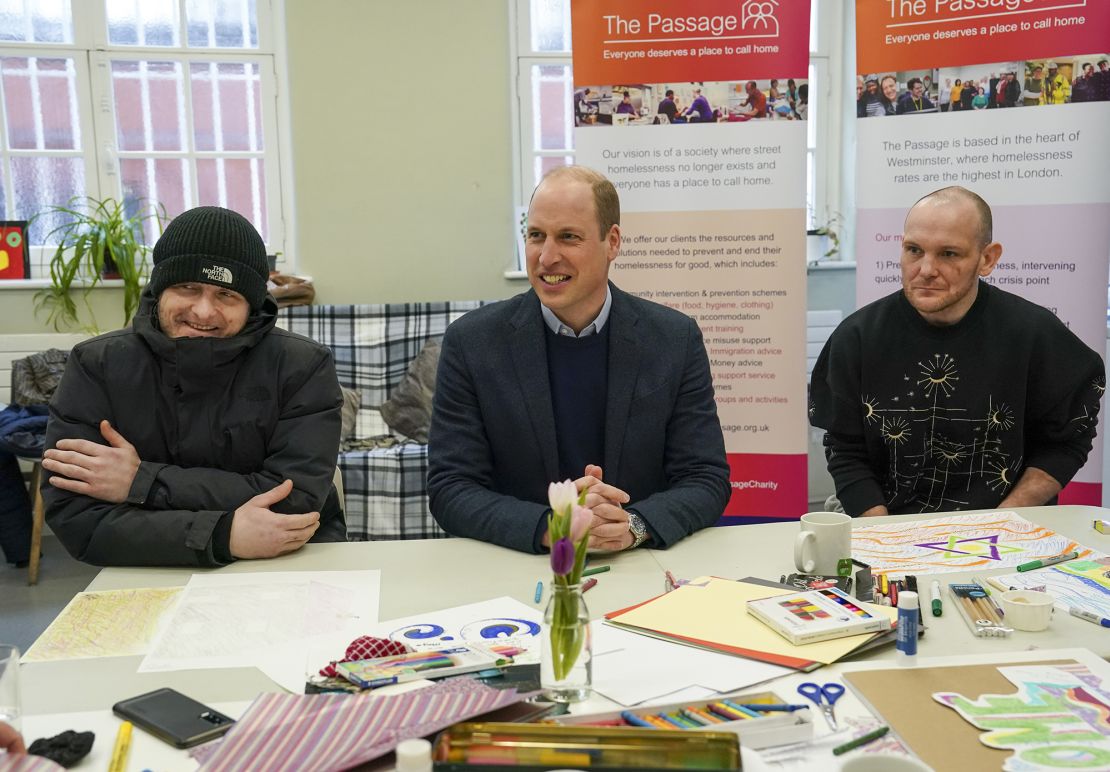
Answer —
(1008, 98)
(696, 111)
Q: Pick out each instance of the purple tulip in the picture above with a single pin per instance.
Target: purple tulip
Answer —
(562, 557)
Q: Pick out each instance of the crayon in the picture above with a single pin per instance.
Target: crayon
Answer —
(699, 719)
(539, 591)
(675, 723)
(726, 712)
(595, 570)
(703, 712)
(860, 741)
(736, 706)
(635, 720)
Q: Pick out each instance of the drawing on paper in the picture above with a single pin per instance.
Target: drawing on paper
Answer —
(1059, 718)
(959, 543)
(503, 620)
(110, 623)
(1079, 584)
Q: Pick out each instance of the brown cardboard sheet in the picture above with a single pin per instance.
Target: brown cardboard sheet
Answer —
(903, 698)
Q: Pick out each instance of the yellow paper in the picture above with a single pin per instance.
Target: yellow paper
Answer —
(715, 610)
(110, 623)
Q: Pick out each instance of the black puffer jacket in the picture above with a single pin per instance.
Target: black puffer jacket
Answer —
(215, 421)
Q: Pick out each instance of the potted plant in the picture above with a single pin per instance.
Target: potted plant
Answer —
(96, 239)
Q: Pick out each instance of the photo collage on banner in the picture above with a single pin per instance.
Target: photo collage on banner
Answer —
(696, 111)
(1010, 99)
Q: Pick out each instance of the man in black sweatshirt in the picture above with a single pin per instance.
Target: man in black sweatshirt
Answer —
(952, 394)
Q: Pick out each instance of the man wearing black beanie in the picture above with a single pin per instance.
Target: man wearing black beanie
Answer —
(202, 433)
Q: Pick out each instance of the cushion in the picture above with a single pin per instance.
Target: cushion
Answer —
(408, 411)
(352, 399)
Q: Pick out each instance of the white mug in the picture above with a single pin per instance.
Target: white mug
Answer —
(826, 537)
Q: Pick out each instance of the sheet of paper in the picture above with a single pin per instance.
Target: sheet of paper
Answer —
(1080, 584)
(713, 610)
(286, 623)
(1068, 702)
(959, 543)
(109, 623)
(501, 620)
(621, 669)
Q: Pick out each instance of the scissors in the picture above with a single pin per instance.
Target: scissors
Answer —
(830, 691)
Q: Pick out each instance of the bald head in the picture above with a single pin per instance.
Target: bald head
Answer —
(606, 201)
(954, 194)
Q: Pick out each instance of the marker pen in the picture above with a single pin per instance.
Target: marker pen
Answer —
(907, 626)
(938, 607)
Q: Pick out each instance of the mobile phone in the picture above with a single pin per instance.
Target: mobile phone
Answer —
(173, 717)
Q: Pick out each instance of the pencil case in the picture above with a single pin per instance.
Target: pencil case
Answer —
(983, 616)
(769, 729)
(490, 745)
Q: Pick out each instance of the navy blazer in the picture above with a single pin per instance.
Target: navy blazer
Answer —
(492, 445)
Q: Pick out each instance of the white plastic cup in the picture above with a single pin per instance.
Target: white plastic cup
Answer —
(1027, 609)
(10, 705)
(825, 538)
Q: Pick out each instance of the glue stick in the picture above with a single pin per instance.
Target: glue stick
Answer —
(908, 616)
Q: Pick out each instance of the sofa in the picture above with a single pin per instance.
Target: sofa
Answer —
(384, 474)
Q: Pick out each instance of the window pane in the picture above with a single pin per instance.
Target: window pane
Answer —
(40, 21)
(814, 107)
(150, 110)
(550, 25)
(42, 181)
(811, 184)
(226, 106)
(234, 183)
(222, 23)
(143, 22)
(40, 103)
(157, 180)
(552, 95)
(544, 164)
(813, 25)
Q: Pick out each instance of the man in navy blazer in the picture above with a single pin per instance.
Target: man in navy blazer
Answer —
(575, 379)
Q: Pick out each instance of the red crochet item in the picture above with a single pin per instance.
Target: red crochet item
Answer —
(366, 647)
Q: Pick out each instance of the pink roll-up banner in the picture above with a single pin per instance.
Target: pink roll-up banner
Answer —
(696, 111)
(1012, 103)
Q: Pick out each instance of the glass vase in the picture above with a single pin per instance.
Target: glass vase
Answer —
(566, 661)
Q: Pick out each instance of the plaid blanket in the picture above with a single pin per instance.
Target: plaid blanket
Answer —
(385, 488)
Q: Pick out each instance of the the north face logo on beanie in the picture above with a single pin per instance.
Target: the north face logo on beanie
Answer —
(217, 273)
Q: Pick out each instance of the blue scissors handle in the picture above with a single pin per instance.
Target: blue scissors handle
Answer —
(830, 691)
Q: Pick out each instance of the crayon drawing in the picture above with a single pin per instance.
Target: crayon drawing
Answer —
(959, 543)
(1079, 584)
(501, 621)
(1059, 717)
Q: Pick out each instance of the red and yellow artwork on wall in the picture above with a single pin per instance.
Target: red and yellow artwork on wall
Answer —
(14, 262)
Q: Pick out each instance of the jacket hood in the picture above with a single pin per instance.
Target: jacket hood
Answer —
(214, 350)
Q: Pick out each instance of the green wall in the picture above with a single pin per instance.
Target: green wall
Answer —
(402, 148)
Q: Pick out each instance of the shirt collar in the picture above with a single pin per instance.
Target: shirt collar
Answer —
(592, 328)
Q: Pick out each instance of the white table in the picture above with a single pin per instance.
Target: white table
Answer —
(431, 574)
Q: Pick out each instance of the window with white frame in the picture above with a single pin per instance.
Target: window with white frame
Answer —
(545, 89)
(145, 101)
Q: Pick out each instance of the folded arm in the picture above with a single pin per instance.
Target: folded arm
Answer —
(460, 466)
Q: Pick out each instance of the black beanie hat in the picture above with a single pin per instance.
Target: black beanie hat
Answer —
(212, 245)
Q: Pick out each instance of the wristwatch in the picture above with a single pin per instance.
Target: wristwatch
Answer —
(638, 529)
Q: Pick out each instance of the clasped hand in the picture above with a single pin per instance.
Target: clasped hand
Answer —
(103, 472)
(609, 528)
